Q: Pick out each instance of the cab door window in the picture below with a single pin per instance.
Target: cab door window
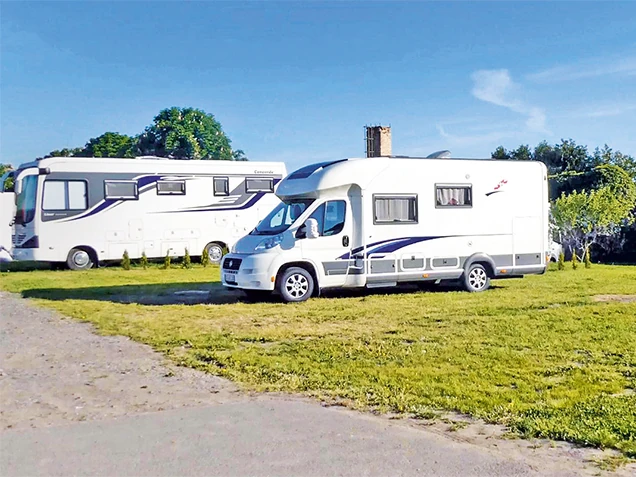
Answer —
(330, 217)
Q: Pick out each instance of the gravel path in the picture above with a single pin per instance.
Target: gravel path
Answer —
(55, 370)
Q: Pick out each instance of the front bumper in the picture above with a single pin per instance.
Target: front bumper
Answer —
(255, 272)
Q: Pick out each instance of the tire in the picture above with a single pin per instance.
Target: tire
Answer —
(257, 295)
(296, 285)
(215, 252)
(476, 278)
(79, 259)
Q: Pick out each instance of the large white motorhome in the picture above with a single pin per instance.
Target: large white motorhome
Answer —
(7, 205)
(82, 211)
(383, 221)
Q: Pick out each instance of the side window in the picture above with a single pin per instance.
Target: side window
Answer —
(453, 196)
(330, 217)
(395, 209)
(277, 220)
(221, 186)
(64, 195)
(54, 195)
(123, 190)
(259, 184)
(171, 188)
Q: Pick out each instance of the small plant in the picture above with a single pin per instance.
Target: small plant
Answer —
(575, 260)
(144, 261)
(205, 258)
(561, 263)
(588, 262)
(166, 261)
(125, 261)
(187, 261)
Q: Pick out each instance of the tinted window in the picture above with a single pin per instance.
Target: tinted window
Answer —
(395, 209)
(120, 189)
(259, 185)
(221, 186)
(171, 188)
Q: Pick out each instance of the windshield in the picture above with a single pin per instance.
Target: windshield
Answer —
(281, 217)
(25, 201)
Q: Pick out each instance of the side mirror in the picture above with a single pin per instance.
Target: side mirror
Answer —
(17, 188)
(311, 226)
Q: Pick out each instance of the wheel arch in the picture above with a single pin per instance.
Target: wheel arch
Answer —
(485, 260)
(307, 265)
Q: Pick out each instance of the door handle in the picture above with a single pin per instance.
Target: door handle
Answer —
(345, 241)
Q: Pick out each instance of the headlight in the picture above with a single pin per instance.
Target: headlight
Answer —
(233, 249)
(269, 243)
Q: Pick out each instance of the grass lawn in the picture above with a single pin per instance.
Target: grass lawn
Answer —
(538, 354)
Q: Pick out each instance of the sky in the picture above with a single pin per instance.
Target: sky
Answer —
(298, 81)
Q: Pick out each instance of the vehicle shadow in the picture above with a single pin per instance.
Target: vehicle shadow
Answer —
(203, 293)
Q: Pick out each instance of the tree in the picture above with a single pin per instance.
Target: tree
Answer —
(110, 144)
(66, 152)
(5, 168)
(522, 153)
(500, 153)
(239, 155)
(584, 217)
(185, 133)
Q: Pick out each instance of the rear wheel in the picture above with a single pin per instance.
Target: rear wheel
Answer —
(296, 285)
(79, 259)
(215, 252)
(476, 278)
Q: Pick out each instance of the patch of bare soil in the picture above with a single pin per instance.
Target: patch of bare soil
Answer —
(616, 298)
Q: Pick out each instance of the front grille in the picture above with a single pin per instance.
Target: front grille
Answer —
(231, 263)
(18, 239)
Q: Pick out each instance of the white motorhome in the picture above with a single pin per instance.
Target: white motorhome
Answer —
(7, 206)
(82, 211)
(383, 221)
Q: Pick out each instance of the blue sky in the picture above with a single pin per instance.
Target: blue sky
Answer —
(298, 82)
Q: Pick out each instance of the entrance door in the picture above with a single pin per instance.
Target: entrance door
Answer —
(331, 249)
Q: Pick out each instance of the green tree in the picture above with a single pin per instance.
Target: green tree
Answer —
(66, 152)
(5, 168)
(522, 153)
(205, 258)
(144, 260)
(187, 260)
(110, 144)
(239, 155)
(500, 153)
(185, 133)
(584, 217)
(125, 261)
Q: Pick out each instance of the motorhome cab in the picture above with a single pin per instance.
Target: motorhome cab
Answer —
(383, 221)
(81, 211)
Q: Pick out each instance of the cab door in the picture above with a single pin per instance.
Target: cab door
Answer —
(330, 250)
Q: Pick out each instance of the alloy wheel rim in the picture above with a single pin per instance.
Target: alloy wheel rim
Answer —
(80, 258)
(477, 278)
(297, 285)
(215, 253)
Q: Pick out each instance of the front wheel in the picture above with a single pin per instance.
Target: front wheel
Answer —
(215, 252)
(79, 259)
(296, 285)
(476, 278)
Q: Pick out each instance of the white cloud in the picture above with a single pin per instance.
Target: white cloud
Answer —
(590, 68)
(497, 87)
(602, 110)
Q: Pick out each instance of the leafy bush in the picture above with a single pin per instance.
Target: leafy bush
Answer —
(588, 262)
(167, 261)
(205, 258)
(144, 261)
(575, 260)
(561, 261)
(125, 261)
(187, 261)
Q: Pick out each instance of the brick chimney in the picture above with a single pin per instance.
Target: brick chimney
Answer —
(378, 141)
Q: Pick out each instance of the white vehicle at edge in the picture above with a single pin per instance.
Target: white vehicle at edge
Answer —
(82, 211)
(383, 221)
(7, 213)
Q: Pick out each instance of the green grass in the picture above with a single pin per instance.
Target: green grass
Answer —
(538, 354)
